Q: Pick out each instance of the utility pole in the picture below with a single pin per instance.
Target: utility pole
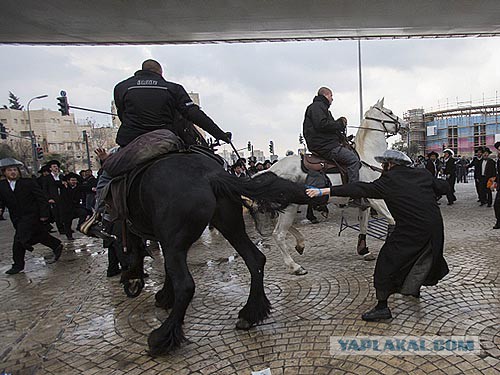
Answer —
(32, 136)
(86, 140)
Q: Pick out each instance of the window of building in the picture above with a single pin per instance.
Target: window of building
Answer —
(479, 134)
(66, 135)
(453, 138)
(69, 147)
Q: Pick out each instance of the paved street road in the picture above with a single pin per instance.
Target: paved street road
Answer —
(68, 318)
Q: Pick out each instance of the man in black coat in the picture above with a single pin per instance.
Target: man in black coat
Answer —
(476, 163)
(496, 204)
(432, 163)
(51, 186)
(325, 136)
(450, 171)
(412, 255)
(72, 207)
(487, 170)
(29, 212)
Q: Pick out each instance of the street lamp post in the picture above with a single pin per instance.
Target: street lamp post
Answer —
(32, 136)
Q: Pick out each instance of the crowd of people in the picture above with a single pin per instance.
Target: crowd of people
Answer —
(240, 168)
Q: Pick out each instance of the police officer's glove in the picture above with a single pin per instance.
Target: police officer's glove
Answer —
(227, 137)
(344, 121)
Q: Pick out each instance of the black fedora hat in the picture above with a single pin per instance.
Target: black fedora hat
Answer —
(52, 162)
(433, 153)
(497, 145)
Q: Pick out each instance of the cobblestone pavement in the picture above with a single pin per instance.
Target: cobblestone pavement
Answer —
(68, 318)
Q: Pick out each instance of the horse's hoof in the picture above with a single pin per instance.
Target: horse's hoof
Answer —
(133, 287)
(300, 272)
(243, 324)
(369, 257)
(300, 249)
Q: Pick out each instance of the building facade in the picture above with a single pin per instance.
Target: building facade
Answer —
(461, 129)
(56, 135)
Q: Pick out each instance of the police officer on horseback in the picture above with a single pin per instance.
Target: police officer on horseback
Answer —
(146, 102)
(325, 136)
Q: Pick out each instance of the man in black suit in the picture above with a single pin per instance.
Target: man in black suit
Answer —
(449, 170)
(71, 199)
(51, 185)
(29, 212)
(496, 204)
(476, 163)
(487, 171)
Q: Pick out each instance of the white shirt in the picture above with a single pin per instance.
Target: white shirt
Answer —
(483, 167)
(56, 176)
(12, 184)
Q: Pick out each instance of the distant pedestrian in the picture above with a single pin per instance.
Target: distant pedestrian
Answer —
(29, 213)
(496, 205)
(487, 172)
(449, 171)
(476, 164)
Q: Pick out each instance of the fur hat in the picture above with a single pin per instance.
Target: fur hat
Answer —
(447, 150)
(10, 162)
(394, 156)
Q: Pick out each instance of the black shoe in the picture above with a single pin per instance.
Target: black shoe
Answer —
(482, 204)
(70, 237)
(489, 205)
(57, 252)
(14, 269)
(97, 230)
(314, 220)
(449, 203)
(377, 314)
(112, 273)
(497, 226)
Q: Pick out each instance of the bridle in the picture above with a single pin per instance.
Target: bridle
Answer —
(393, 119)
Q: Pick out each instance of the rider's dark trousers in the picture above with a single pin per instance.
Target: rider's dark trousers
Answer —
(348, 159)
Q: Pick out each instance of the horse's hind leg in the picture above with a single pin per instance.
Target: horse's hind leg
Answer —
(228, 219)
(299, 238)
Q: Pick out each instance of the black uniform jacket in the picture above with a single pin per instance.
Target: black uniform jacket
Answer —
(147, 102)
(410, 196)
(51, 187)
(321, 131)
(26, 204)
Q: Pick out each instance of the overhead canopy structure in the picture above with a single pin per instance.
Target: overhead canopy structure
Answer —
(207, 21)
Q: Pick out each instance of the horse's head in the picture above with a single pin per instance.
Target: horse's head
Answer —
(385, 120)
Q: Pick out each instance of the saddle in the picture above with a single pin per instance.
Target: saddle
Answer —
(116, 193)
(313, 162)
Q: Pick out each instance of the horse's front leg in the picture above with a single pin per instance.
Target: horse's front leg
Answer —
(285, 222)
(133, 278)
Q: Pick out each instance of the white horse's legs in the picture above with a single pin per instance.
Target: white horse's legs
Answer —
(285, 221)
(299, 238)
(380, 206)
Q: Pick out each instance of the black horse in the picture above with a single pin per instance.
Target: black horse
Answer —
(173, 201)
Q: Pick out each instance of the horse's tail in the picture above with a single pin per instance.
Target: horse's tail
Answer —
(272, 193)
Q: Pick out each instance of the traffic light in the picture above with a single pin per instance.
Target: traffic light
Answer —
(249, 147)
(63, 105)
(301, 139)
(39, 153)
(3, 131)
(271, 147)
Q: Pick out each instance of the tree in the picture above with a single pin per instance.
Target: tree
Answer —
(14, 102)
(411, 150)
(7, 152)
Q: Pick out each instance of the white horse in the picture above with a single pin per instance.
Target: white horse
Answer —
(379, 123)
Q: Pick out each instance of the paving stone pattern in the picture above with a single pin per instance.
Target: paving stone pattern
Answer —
(68, 318)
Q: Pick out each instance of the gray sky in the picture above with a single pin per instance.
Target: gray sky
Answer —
(259, 91)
